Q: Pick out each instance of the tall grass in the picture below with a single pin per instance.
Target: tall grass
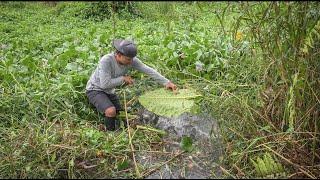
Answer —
(286, 35)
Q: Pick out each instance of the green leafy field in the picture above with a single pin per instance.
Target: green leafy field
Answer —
(255, 64)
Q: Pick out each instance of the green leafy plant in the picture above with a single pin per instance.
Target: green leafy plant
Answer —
(166, 103)
(92, 135)
(186, 143)
(123, 165)
(267, 166)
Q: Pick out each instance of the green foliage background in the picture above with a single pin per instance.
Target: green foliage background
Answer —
(255, 63)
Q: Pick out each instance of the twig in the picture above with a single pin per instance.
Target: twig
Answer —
(226, 172)
(84, 166)
(130, 139)
(151, 129)
(125, 170)
(129, 102)
(237, 133)
(238, 169)
(154, 169)
(306, 173)
(147, 151)
(61, 146)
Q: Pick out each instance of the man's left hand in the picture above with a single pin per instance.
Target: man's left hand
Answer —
(171, 86)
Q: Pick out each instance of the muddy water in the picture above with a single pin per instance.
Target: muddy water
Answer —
(201, 163)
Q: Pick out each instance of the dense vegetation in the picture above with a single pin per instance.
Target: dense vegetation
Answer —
(256, 64)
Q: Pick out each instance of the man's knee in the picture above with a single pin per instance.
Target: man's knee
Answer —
(110, 112)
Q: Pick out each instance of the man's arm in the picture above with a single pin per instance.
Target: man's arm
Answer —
(137, 64)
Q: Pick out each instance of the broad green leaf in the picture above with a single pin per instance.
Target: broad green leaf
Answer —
(165, 103)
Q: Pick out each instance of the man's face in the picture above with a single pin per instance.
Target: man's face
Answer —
(124, 60)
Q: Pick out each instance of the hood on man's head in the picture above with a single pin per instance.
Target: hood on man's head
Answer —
(126, 47)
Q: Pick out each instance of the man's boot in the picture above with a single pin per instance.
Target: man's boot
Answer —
(111, 123)
(125, 123)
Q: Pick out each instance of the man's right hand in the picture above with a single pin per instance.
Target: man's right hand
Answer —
(128, 80)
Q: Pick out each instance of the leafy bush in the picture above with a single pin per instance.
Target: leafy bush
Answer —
(104, 10)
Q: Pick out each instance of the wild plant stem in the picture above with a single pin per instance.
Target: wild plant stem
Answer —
(130, 139)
